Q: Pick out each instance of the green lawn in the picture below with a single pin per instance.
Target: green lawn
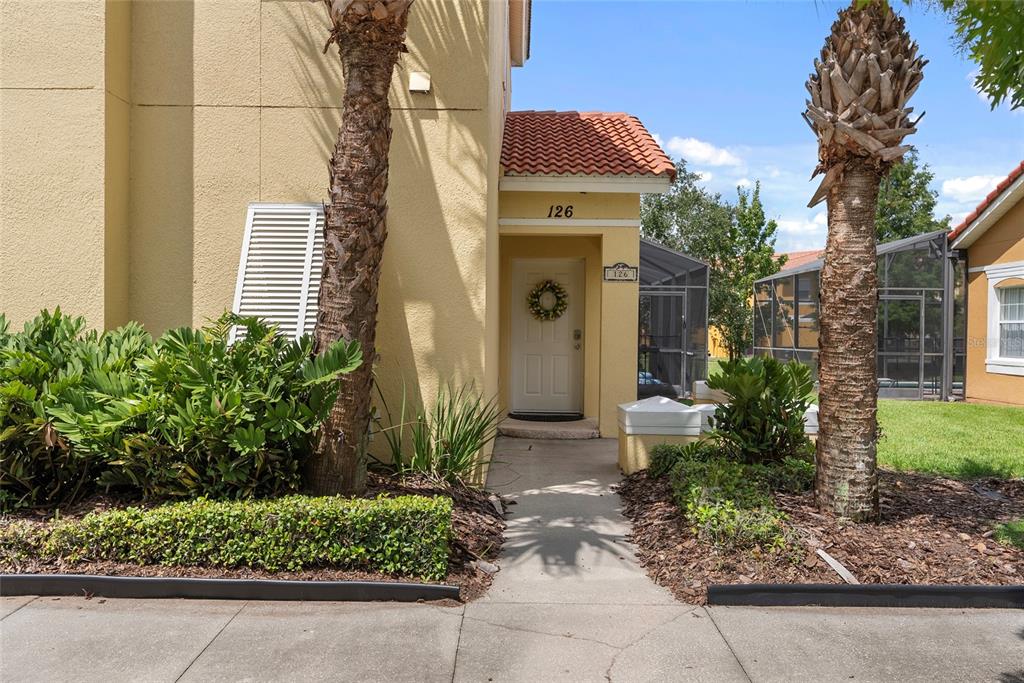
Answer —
(952, 439)
(1011, 533)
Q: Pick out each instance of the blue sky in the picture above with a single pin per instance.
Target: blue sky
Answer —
(722, 84)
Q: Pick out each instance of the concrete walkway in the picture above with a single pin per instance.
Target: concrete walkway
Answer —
(570, 604)
(565, 541)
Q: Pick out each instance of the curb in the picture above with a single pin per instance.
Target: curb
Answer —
(866, 595)
(221, 589)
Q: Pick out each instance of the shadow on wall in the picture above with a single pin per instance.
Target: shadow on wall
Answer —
(432, 297)
(161, 163)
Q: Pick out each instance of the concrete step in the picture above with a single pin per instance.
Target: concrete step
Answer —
(529, 429)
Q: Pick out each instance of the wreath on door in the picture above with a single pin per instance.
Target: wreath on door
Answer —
(547, 307)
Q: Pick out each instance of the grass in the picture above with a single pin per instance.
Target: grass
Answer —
(953, 439)
(1011, 533)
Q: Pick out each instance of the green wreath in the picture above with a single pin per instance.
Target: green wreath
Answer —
(536, 295)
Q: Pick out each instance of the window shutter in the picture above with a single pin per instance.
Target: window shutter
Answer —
(279, 270)
(315, 270)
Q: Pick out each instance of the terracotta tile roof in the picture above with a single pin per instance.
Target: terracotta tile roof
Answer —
(580, 143)
(795, 259)
(1000, 188)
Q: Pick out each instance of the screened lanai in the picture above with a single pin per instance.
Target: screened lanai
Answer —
(673, 340)
(921, 321)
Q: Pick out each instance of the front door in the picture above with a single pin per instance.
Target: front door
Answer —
(547, 355)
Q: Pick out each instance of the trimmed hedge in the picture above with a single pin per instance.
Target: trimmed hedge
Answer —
(405, 535)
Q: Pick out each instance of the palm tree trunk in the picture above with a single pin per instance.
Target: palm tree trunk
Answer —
(354, 235)
(847, 480)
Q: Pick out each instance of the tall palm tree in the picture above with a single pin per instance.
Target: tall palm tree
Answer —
(859, 90)
(369, 36)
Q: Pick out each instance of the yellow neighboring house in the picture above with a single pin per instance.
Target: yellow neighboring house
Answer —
(165, 161)
(993, 238)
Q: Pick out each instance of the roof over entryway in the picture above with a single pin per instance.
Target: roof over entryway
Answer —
(582, 151)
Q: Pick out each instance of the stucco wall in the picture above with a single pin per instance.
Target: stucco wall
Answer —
(52, 175)
(1001, 243)
(612, 316)
(116, 180)
(135, 134)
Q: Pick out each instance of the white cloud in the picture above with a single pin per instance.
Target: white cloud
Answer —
(705, 176)
(744, 182)
(700, 152)
(815, 226)
(958, 217)
(970, 188)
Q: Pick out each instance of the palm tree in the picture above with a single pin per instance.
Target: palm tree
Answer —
(370, 36)
(859, 90)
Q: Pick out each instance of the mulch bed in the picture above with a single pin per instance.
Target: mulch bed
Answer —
(477, 526)
(933, 531)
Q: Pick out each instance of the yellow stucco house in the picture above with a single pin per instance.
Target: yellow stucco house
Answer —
(992, 238)
(165, 161)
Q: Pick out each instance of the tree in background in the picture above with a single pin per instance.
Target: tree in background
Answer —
(906, 207)
(737, 242)
(991, 33)
(687, 218)
(750, 256)
(867, 72)
(370, 36)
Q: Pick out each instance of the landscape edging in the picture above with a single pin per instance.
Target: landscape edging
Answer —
(866, 595)
(221, 589)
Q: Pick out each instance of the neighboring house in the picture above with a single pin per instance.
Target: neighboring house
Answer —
(145, 145)
(992, 236)
(939, 336)
(920, 317)
(794, 259)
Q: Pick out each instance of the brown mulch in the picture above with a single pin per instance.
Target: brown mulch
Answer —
(933, 531)
(478, 533)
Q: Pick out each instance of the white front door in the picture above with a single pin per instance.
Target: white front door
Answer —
(547, 355)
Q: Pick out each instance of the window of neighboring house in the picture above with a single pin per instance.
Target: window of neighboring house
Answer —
(1005, 354)
(279, 269)
(1011, 322)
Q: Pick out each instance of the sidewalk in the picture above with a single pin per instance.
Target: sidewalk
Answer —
(570, 603)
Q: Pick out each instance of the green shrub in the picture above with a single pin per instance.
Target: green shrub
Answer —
(724, 525)
(55, 362)
(212, 418)
(719, 478)
(20, 541)
(408, 535)
(792, 475)
(665, 456)
(446, 442)
(763, 419)
(187, 415)
(729, 503)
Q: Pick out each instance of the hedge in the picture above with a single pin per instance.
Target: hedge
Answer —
(405, 535)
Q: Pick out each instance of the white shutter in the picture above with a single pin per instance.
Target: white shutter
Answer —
(279, 270)
(315, 271)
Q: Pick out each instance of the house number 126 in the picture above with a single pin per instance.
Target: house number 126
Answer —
(559, 211)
